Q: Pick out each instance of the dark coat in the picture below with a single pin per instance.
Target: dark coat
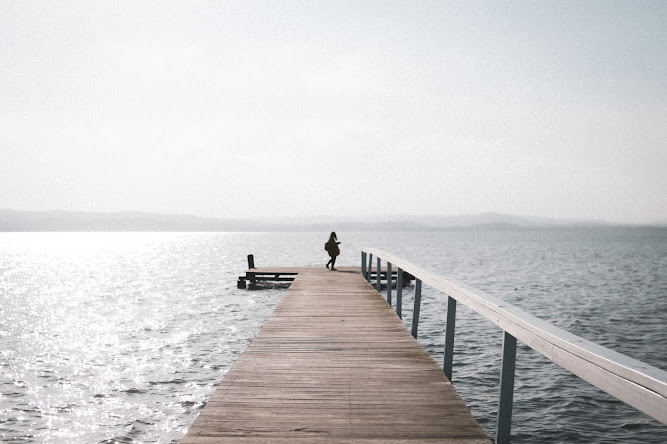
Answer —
(332, 248)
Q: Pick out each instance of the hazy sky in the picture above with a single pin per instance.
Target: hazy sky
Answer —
(259, 109)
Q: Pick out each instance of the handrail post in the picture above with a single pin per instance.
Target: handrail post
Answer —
(449, 338)
(640, 385)
(363, 264)
(378, 275)
(389, 282)
(370, 268)
(504, 422)
(399, 292)
(415, 311)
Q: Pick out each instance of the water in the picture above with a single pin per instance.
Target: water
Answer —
(121, 337)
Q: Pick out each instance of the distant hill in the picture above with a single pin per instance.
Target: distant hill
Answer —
(12, 220)
(498, 219)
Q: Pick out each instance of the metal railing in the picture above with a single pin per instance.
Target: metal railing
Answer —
(640, 385)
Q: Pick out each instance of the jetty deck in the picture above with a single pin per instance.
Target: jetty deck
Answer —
(288, 274)
(334, 364)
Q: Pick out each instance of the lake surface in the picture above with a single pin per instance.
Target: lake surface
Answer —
(121, 337)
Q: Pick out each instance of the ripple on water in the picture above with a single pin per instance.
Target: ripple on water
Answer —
(122, 337)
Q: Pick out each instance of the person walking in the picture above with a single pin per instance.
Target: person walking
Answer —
(332, 248)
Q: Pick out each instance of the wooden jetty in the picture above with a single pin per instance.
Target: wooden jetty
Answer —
(287, 274)
(267, 274)
(334, 363)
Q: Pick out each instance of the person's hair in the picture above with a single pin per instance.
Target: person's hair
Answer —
(333, 236)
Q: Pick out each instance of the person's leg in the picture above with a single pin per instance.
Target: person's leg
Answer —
(333, 263)
(328, 264)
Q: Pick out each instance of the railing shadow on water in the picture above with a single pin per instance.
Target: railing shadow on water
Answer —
(639, 385)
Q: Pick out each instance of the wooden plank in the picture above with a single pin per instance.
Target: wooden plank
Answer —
(334, 364)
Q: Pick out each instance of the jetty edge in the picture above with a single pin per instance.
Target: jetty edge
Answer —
(334, 363)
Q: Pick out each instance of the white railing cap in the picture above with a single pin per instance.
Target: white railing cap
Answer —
(639, 384)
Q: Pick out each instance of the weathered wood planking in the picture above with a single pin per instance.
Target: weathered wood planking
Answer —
(334, 364)
(287, 274)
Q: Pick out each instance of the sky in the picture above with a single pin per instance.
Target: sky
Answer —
(258, 109)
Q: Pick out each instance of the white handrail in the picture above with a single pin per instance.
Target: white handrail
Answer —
(636, 383)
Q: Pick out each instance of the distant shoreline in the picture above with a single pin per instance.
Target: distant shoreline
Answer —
(68, 221)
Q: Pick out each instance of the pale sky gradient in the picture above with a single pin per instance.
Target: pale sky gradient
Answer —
(258, 109)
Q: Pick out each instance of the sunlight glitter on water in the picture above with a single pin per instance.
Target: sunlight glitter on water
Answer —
(122, 336)
(104, 332)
